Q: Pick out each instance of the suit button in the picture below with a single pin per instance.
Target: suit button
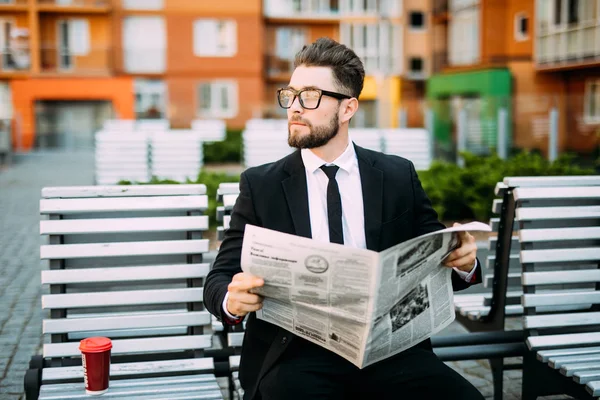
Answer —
(284, 340)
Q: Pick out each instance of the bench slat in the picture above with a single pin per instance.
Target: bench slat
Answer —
(118, 225)
(513, 262)
(560, 277)
(560, 255)
(566, 340)
(121, 298)
(122, 191)
(229, 200)
(554, 213)
(577, 192)
(545, 355)
(127, 204)
(150, 391)
(570, 369)
(543, 235)
(235, 339)
(541, 181)
(125, 274)
(93, 250)
(514, 279)
(593, 388)
(131, 346)
(558, 362)
(584, 377)
(576, 319)
(63, 325)
(137, 368)
(560, 298)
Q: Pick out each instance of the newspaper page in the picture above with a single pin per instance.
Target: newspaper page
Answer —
(362, 305)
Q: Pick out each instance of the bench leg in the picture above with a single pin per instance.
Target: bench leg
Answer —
(31, 383)
(497, 365)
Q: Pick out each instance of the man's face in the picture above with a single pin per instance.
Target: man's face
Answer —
(308, 129)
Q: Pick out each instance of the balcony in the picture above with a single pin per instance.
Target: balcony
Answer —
(75, 6)
(15, 60)
(62, 61)
(324, 11)
(13, 5)
(279, 69)
(568, 46)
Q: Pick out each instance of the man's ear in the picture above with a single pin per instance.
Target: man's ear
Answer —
(348, 109)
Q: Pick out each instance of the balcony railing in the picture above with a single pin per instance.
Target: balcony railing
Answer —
(66, 61)
(15, 59)
(13, 3)
(288, 9)
(568, 46)
(278, 67)
(76, 3)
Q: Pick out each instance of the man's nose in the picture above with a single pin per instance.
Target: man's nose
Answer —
(296, 107)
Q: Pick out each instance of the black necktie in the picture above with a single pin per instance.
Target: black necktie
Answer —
(334, 205)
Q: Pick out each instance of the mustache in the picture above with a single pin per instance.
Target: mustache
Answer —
(298, 119)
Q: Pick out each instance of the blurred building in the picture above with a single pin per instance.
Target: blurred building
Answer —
(506, 56)
(68, 65)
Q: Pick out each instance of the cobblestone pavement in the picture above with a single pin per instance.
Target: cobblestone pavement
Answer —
(20, 311)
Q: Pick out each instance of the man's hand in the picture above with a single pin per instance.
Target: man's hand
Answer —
(464, 256)
(241, 301)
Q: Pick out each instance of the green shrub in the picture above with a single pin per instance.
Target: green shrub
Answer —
(210, 179)
(467, 193)
(229, 150)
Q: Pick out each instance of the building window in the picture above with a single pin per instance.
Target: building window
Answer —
(143, 4)
(521, 27)
(416, 66)
(592, 102)
(215, 38)
(417, 20)
(144, 44)
(379, 46)
(217, 99)
(150, 98)
(464, 37)
(73, 40)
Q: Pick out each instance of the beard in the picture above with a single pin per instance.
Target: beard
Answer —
(316, 136)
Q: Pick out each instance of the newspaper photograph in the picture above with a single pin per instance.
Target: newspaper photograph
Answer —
(360, 304)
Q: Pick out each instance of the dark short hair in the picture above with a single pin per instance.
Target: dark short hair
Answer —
(348, 69)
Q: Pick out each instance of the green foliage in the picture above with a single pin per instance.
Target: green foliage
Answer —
(229, 150)
(467, 193)
(210, 179)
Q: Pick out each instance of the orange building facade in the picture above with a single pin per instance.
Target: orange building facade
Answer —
(81, 63)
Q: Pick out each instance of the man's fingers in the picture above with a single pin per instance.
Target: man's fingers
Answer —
(468, 260)
(243, 284)
(245, 298)
(462, 251)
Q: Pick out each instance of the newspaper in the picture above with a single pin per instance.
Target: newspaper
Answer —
(363, 305)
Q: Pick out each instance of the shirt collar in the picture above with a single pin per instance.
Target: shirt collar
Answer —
(346, 161)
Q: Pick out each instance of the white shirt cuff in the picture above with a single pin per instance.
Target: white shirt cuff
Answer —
(466, 276)
(225, 307)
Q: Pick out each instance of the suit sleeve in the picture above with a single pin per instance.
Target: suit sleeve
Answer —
(426, 221)
(227, 262)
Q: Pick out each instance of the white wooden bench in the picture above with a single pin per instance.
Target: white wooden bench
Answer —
(369, 138)
(227, 194)
(210, 130)
(176, 154)
(559, 240)
(126, 262)
(265, 141)
(121, 155)
(412, 144)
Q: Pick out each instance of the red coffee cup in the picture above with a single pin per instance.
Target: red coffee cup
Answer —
(95, 358)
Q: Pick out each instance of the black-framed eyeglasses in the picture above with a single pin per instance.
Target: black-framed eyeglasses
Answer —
(309, 98)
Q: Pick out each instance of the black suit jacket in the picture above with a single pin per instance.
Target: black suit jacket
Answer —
(275, 196)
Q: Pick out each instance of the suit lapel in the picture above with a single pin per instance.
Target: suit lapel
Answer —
(371, 179)
(296, 194)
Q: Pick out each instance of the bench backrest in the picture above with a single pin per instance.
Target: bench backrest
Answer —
(210, 130)
(125, 262)
(176, 154)
(413, 144)
(227, 194)
(121, 155)
(559, 236)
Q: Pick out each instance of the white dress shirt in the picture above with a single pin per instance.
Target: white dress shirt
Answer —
(353, 214)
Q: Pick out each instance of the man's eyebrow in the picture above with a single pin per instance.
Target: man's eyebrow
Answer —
(304, 87)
